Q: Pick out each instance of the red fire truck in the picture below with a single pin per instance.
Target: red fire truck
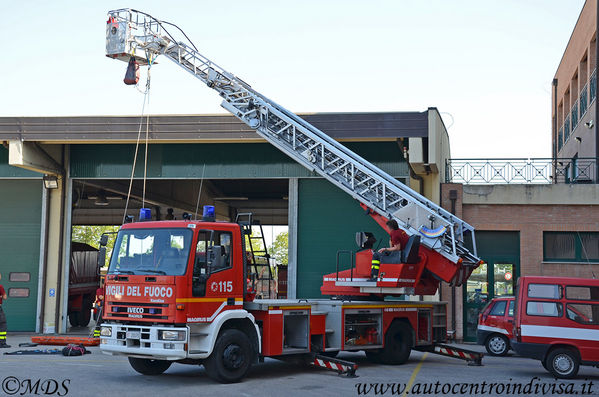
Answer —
(557, 322)
(177, 291)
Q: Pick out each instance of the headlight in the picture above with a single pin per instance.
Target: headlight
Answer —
(106, 331)
(171, 335)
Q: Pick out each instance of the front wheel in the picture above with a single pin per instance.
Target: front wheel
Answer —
(562, 363)
(149, 367)
(231, 358)
(497, 345)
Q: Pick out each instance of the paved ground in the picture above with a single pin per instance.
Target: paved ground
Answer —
(98, 374)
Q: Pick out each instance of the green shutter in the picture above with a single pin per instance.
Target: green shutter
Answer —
(20, 230)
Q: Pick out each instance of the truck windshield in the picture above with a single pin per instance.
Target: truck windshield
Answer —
(151, 251)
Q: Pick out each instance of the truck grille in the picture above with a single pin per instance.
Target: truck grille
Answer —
(133, 310)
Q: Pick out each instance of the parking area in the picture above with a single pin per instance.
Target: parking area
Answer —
(425, 374)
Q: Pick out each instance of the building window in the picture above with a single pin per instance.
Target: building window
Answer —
(571, 246)
(574, 113)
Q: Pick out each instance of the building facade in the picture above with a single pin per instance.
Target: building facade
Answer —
(574, 110)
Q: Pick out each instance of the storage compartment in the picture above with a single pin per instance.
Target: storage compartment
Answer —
(296, 330)
(362, 328)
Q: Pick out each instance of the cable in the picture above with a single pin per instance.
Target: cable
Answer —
(136, 150)
(200, 192)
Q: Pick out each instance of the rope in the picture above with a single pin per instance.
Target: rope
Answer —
(143, 107)
(200, 192)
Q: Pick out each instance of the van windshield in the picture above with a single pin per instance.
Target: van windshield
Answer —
(151, 251)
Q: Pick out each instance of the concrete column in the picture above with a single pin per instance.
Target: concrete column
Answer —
(53, 280)
(292, 260)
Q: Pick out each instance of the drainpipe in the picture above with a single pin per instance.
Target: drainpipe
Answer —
(413, 174)
(555, 129)
(596, 93)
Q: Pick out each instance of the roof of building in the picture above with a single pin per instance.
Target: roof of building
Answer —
(207, 128)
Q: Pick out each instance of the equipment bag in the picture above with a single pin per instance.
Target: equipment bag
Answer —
(132, 75)
(74, 350)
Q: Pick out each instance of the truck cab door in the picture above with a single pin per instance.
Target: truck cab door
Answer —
(212, 257)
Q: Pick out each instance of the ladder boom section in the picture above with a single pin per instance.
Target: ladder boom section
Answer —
(439, 229)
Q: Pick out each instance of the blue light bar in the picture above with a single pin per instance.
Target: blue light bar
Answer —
(145, 214)
(208, 212)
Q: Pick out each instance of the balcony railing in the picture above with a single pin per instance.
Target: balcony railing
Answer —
(593, 84)
(583, 100)
(560, 138)
(521, 171)
(574, 113)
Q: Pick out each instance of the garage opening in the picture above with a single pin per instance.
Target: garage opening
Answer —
(98, 206)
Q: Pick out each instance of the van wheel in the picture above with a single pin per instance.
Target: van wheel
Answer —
(497, 345)
(398, 345)
(562, 363)
(149, 367)
(231, 358)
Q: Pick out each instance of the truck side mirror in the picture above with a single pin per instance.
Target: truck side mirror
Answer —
(215, 258)
(104, 240)
(101, 257)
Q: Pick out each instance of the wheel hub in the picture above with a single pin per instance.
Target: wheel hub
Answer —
(233, 357)
(497, 344)
(562, 364)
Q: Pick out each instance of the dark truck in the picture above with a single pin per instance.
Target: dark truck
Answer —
(84, 280)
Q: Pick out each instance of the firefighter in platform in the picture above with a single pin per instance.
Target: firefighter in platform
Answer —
(3, 297)
(398, 239)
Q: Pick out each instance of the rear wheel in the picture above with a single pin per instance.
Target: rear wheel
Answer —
(74, 319)
(562, 363)
(86, 313)
(398, 345)
(149, 367)
(231, 358)
(497, 345)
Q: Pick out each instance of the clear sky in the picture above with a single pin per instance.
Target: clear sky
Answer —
(487, 65)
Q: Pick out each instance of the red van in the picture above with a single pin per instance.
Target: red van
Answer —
(495, 323)
(557, 322)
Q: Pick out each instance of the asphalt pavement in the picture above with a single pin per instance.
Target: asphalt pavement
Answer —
(98, 374)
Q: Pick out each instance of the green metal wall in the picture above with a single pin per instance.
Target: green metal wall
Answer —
(222, 160)
(328, 220)
(20, 229)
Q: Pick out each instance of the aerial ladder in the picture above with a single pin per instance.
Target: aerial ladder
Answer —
(131, 34)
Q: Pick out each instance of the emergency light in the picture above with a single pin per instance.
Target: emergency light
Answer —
(145, 214)
(208, 214)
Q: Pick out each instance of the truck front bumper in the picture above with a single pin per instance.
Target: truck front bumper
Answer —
(144, 341)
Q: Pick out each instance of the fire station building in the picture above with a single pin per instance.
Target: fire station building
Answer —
(56, 172)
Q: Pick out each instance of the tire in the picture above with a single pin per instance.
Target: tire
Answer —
(497, 345)
(74, 319)
(562, 363)
(85, 314)
(231, 357)
(374, 356)
(149, 367)
(398, 345)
